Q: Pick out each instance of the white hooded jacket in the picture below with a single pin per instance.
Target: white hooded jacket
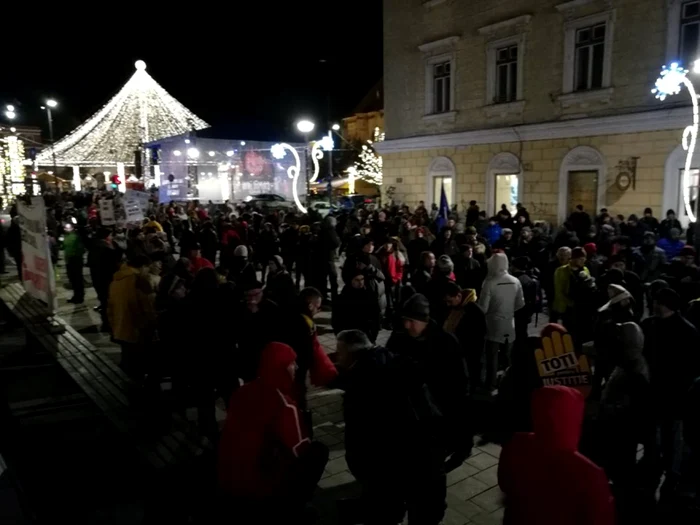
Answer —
(501, 296)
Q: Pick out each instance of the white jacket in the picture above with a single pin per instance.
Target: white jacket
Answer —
(501, 297)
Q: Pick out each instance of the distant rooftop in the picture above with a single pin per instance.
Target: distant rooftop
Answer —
(373, 100)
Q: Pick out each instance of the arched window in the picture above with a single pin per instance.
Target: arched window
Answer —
(673, 198)
(504, 183)
(441, 173)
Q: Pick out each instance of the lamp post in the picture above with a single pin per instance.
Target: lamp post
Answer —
(305, 127)
(51, 104)
(335, 128)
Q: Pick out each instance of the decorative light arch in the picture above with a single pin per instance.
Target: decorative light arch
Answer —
(581, 158)
(504, 163)
(279, 151)
(671, 82)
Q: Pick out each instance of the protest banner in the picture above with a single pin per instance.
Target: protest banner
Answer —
(107, 217)
(37, 271)
(135, 205)
(558, 363)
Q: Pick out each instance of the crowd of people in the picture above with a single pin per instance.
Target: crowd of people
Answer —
(222, 300)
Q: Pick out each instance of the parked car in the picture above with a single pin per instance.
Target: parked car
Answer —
(323, 208)
(349, 202)
(268, 200)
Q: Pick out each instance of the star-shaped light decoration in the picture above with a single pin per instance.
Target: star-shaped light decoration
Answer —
(670, 81)
(277, 151)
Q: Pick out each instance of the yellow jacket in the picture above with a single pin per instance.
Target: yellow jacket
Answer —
(130, 309)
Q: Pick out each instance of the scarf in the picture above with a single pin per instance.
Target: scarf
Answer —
(455, 316)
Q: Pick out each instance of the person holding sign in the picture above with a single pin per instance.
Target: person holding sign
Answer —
(74, 252)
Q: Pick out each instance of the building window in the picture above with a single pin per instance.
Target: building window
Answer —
(442, 86)
(689, 33)
(588, 43)
(590, 57)
(506, 74)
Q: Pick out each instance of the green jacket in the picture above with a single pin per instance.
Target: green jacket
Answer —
(562, 283)
(73, 246)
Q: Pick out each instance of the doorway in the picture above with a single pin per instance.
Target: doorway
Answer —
(582, 189)
(438, 183)
(506, 192)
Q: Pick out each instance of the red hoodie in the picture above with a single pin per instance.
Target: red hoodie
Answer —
(545, 479)
(263, 433)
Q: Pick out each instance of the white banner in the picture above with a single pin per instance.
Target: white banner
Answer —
(135, 205)
(37, 270)
(107, 212)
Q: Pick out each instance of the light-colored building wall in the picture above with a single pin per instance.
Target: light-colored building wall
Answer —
(360, 127)
(549, 132)
(542, 163)
(639, 30)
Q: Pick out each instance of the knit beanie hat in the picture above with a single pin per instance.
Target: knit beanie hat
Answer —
(445, 264)
(590, 248)
(669, 298)
(417, 308)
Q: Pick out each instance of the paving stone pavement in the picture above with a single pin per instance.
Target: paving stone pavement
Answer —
(473, 496)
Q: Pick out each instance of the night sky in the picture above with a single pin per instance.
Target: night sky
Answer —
(250, 72)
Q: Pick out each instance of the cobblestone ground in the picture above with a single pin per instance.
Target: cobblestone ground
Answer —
(473, 494)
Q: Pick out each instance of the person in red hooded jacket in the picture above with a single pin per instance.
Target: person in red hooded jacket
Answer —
(267, 463)
(544, 477)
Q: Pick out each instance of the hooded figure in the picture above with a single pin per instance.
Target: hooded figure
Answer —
(544, 477)
(264, 439)
(625, 406)
(501, 296)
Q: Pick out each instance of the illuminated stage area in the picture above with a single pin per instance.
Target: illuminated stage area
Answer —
(186, 167)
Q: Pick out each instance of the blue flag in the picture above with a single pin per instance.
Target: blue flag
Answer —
(444, 211)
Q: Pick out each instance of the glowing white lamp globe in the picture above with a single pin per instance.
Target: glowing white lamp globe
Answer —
(305, 126)
(51, 103)
(193, 153)
(140, 65)
(336, 127)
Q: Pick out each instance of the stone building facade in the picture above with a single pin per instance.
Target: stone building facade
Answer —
(542, 102)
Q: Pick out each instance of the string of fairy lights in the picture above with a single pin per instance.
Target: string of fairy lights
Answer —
(140, 112)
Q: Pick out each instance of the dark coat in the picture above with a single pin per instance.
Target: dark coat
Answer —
(672, 350)
(440, 365)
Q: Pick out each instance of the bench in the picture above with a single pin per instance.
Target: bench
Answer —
(104, 383)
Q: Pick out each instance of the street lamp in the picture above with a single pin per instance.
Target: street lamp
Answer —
(51, 104)
(335, 127)
(305, 127)
(10, 112)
